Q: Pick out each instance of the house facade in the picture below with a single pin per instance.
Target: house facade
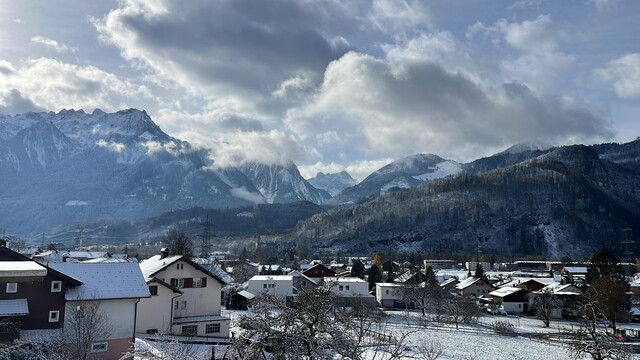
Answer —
(189, 298)
(474, 286)
(110, 291)
(513, 300)
(32, 296)
(389, 295)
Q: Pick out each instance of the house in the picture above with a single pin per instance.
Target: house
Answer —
(239, 300)
(410, 277)
(449, 284)
(193, 310)
(472, 265)
(580, 271)
(280, 286)
(389, 295)
(513, 300)
(111, 289)
(441, 264)
(474, 286)
(348, 290)
(319, 271)
(534, 284)
(32, 296)
(270, 270)
(391, 265)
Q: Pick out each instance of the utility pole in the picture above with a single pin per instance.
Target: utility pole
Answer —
(628, 241)
(43, 240)
(205, 249)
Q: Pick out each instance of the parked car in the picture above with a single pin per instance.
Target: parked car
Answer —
(622, 337)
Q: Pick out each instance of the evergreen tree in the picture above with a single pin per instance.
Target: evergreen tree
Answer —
(374, 276)
(480, 272)
(357, 269)
(430, 276)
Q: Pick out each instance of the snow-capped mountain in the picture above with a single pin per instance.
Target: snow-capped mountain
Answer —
(76, 167)
(404, 173)
(282, 184)
(332, 183)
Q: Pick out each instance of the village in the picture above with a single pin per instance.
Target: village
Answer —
(110, 306)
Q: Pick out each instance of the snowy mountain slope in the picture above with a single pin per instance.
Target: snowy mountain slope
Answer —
(282, 184)
(400, 174)
(332, 183)
(76, 167)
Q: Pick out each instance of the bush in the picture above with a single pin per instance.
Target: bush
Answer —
(503, 327)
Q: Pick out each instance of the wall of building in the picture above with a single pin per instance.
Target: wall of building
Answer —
(155, 312)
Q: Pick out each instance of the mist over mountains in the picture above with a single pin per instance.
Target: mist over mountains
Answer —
(119, 174)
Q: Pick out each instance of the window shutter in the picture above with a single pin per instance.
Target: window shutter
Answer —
(204, 282)
(174, 282)
(188, 282)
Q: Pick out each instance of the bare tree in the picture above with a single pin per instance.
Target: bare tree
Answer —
(591, 339)
(85, 324)
(545, 303)
(461, 309)
(178, 243)
(430, 350)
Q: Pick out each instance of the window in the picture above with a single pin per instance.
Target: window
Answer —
(56, 286)
(190, 330)
(180, 266)
(387, 291)
(180, 283)
(197, 282)
(341, 287)
(347, 287)
(79, 311)
(183, 305)
(153, 290)
(212, 329)
(54, 315)
(99, 347)
(12, 288)
(264, 286)
(176, 305)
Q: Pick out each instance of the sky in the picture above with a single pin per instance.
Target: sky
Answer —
(334, 85)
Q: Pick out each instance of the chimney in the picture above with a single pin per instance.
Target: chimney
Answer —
(164, 252)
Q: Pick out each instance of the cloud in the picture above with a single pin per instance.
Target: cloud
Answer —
(414, 104)
(52, 44)
(241, 50)
(18, 21)
(539, 60)
(398, 16)
(357, 169)
(13, 102)
(602, 5)
(51, 84)
(243, 193)
(624, 74)
(112, 145)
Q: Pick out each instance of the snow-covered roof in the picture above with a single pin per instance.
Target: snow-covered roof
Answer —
(245, 294)
(15, 307)
(111, 260)
(214, 268)
(448, 281)
(271, 278)
(21, 268)
(505, 291)
(306, 266)
(541, 280)
(389, 285)
(86, 254)
(342, 280)
(576, 269)
(298, 273)
(466, 283)
(104, 281)
(154, 264)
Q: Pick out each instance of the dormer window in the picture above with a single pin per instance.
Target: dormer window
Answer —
(56, 286)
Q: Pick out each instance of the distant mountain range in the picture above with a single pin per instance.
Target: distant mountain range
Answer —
(539, 202)
(75, 167)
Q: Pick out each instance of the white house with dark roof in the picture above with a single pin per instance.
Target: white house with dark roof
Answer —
(117, 287)
(474, 286)
(187, 299)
